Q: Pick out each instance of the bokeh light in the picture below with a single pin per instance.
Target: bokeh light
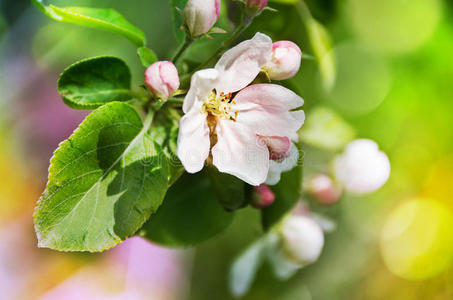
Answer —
(417, 240)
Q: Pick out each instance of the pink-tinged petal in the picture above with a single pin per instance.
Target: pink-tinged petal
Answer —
(266, 109)
(285, 61)
(201, 85)
(162, 78)
(278, 146)
(193, 140)
(277, 167)
(240, 152)
(240, 65)
(201, 15)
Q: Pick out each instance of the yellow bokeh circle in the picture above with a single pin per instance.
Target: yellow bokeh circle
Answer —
(417, 239)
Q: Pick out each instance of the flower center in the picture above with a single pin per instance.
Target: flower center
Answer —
(220, 106)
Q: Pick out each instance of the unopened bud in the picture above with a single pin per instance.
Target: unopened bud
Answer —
(162, 78)
(362, 168)
(279, 146)
(201, 15)
(285, 61)
(302, 239)
(263, 197)
(323, 189)
(254, 7)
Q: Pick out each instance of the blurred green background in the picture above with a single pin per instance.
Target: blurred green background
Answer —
(385, 67)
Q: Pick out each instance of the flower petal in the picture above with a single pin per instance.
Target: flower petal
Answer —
(279, 147)
(266, 109)
(202, 84)
(193, 140)
(239, 66)
(240, 152)
(276, 168)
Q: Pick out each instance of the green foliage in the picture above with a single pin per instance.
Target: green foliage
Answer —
(105, 180)
(177, 6)
(147, 56)
(190, 214)
(229, 189)
(92, 82)
(106, 19)
(287, 193)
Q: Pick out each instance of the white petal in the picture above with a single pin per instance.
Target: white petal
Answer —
(193, 140)
(240, 152)
(266, 109)
(201, 85)
(241, 64)
(276, 168)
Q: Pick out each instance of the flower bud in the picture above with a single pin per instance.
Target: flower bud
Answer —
(323, 189)
(302, 238)
(162, 78)
(254, 7)
(263, 197)
(285, 61)
(201, 15)
(362, 168)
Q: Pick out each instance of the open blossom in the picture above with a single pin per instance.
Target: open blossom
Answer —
(362, 168)
(162, 78)
(302, 239)
(285, 61)
(237, 127)
(201, 15)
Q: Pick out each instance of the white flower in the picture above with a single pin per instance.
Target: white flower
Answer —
(362, 168)
(236, 131)
(302, 238)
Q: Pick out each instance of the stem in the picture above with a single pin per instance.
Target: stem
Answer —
(225, 44)
(187, 42)
(175, 100)
(303, 10)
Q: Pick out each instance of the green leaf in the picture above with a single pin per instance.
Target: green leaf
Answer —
(229, 189)
(90, 83)
(190, 214)
(104, 182)
(147, 56)
(101, 18)
(287, 193)
(177, 6)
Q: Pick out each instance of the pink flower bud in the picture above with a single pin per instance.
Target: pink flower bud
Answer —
(201, 15)
(323, 189)
(162, 78)
(257, 3)
(263, 197)
(285, 61)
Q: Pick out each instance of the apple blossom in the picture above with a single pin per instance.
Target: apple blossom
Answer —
(201, 15)
(263, 197)
(362, 168)
(302, 239)
(285, 61)
(233, 125)
(162, 78)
